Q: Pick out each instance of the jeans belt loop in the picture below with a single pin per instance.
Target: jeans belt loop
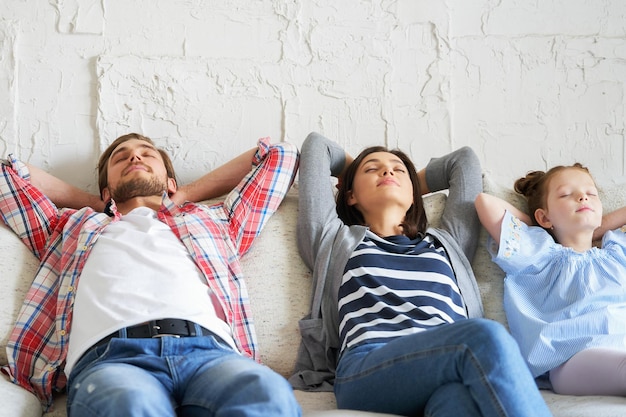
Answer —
(193, 329)
(122, 333)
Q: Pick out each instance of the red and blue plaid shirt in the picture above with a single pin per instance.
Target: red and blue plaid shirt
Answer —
(216, 236)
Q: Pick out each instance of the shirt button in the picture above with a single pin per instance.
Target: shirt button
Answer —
(62, 332)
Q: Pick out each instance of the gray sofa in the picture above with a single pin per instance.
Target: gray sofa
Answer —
(278, 284)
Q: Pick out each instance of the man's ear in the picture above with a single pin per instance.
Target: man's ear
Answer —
(105, 194)
(171, 186)
(542, 218)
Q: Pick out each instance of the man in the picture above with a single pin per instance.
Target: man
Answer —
(151, 291)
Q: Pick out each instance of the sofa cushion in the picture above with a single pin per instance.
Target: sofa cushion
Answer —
(18, 267)
(17, 402)
(279, 289)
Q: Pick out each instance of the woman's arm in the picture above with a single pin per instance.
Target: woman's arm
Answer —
(460, 173)
(421, 178)
(491, 211)
(320, 159)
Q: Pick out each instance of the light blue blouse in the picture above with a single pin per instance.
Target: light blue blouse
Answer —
(559, 301)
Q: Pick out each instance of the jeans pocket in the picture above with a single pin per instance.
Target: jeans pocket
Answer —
(90, 357)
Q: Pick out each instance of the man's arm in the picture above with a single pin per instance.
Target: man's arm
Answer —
(61, 193)
(24, 208)
(214, 184)
(258, 195)
(218, 182)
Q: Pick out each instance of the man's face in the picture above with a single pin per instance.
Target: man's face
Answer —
(136, 169)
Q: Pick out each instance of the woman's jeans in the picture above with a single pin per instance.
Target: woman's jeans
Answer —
(169, 376)
(468, 368)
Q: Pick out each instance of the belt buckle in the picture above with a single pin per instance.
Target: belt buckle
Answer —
(154, 331)
(159, 335)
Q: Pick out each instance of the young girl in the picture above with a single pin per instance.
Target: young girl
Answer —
(394, 323)
(565, 299)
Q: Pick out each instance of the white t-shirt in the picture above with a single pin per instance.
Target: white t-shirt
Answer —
(138, 271)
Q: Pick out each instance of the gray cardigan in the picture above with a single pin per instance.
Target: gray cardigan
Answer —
(325, 244)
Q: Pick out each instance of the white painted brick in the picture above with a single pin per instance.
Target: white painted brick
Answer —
(527, 84)
(8, 86)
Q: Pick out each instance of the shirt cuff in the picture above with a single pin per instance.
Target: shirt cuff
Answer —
(264, 145)
(18, 166)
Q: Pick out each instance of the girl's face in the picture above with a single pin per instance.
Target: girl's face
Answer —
(572, 204)
(381, 180)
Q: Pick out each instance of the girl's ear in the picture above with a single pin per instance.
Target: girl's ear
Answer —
(541, 216)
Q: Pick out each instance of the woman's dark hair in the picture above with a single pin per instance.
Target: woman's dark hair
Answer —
(103, 162)
(414, 222)
(534, 186)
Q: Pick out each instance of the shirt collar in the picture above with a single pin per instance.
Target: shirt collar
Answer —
(167, 206)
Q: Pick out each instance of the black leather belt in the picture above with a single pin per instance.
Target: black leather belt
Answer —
(157, 328)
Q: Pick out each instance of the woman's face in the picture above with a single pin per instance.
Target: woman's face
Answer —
(381, 181)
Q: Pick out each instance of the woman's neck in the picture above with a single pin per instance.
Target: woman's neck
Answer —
(386, 223)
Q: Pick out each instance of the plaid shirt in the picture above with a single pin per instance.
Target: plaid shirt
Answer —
(216, 236)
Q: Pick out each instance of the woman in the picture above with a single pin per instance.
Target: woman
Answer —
(395, 320)
(565, 299)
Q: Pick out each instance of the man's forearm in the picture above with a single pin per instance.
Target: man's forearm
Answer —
(61, 193)
(217, 182)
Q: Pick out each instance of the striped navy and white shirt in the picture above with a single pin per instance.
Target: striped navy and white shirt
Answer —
(396, 286)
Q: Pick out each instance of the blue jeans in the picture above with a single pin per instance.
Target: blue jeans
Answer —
(168, 376)
(470, 368)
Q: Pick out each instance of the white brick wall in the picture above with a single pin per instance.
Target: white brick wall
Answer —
(527, 84)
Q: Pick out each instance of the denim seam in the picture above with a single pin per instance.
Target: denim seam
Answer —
(397, 359)
(484, 380)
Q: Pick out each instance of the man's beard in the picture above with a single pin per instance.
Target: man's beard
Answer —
(138, 187)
